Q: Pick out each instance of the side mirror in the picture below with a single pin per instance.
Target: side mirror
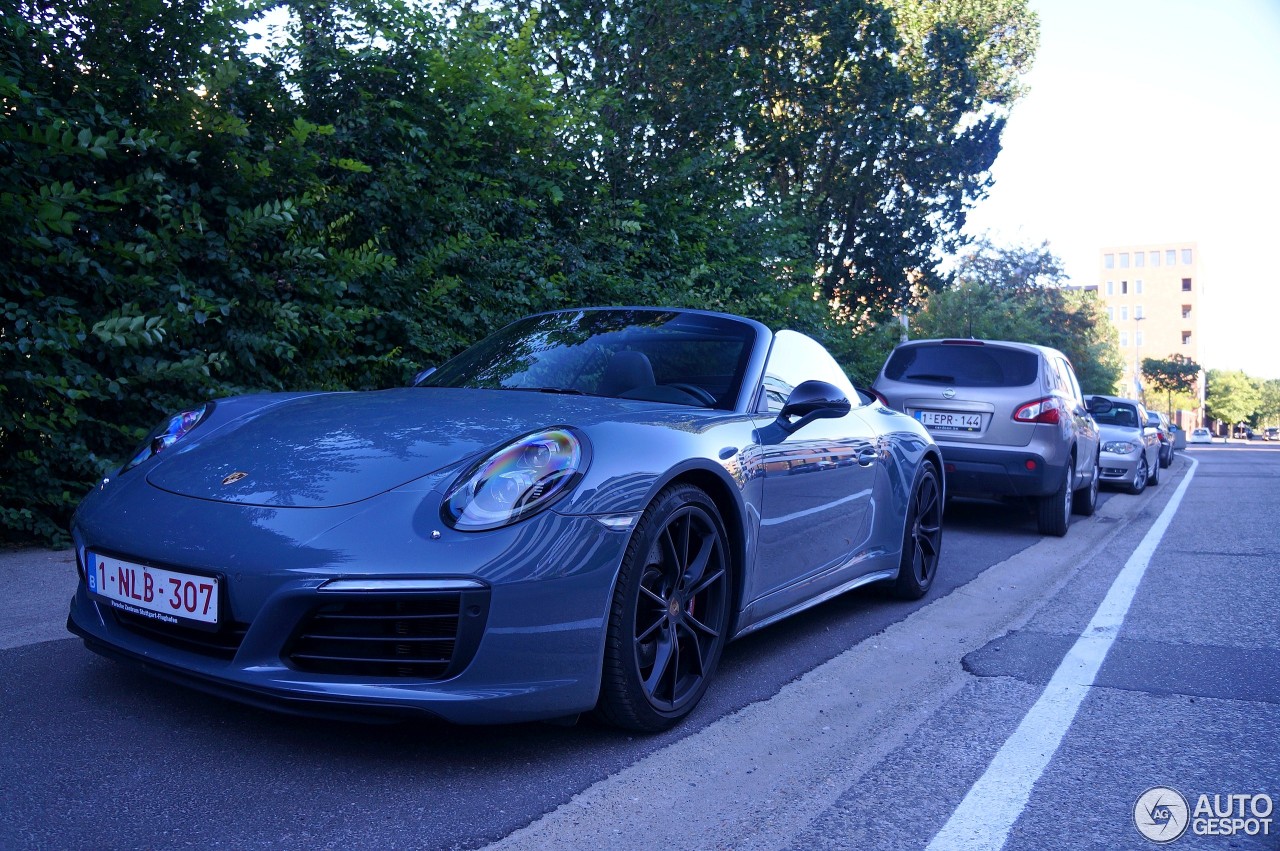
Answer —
(1099, 405)
(422, 376)
(812, 400)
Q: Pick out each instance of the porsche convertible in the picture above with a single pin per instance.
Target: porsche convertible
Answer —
(576, 514)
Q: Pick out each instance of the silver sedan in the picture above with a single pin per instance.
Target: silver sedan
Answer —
(1130, 447)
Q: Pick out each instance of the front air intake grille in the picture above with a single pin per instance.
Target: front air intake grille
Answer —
(222, 644)
(425, 636)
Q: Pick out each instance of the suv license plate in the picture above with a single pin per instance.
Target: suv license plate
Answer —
(950, 420)
(162, 595)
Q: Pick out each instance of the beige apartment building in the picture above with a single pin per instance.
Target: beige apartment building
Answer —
(1152, 295)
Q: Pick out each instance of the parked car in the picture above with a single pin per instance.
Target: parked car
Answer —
(1130, 447)
(1272, 433)
(1242, 432)
(1009, 417)
(576, 513)
(1164, 431)
(1200, 435)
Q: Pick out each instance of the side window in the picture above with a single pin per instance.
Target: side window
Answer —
(1069, 383)
(1054, 374)
(795, 358)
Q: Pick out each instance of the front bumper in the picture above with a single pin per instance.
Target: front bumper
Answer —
(529, 647)
(1120, 469)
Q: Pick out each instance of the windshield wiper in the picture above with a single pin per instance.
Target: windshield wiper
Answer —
(565, 391)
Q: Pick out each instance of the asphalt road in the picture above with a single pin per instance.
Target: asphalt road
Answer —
(864, 723)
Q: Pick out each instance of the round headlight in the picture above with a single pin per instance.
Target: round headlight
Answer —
(1119, 447)
(168, 433)
(521, 478)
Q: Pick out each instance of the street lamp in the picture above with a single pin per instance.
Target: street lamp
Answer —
(1137, 370)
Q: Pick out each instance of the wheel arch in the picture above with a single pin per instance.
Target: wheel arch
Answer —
(727, 497)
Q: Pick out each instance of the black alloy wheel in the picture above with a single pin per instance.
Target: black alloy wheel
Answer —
(922, 537)
(669, 621)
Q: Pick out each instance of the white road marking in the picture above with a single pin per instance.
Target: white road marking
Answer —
(987, 813)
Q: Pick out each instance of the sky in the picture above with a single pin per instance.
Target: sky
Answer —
(1155, 121)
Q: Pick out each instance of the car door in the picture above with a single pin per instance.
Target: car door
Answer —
(1082, 423)
(817, 491)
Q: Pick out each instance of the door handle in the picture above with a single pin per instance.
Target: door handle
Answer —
(867, 456)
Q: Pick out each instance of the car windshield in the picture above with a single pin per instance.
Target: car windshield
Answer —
(663, 356)
(962, 363)
(1120, 414)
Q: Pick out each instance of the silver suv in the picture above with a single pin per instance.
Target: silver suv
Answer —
(1009, 418)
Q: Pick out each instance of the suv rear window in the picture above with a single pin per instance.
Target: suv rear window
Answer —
(963, 364)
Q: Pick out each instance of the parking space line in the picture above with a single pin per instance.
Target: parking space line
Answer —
(992, 805)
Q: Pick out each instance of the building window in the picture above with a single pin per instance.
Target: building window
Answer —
(1170, 257)
(1139, 258)
(1124, 339)
(1137, 339)
(1111, 287)
(1186, 311)
(1111, 314)
(1186, 338)
(1124, 288)
(1186, 285)
(1109, 260)
(1186, 256)
(1137, 287)
(1124, 314)
(1124, 260)
(1137, 312)
(1155, 258)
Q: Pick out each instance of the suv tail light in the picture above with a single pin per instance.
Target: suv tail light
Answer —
(1047, 411)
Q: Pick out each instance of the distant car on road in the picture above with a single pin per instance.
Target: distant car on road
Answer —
(1200, 435)
(1009, 417)
(1271, 433)
(1130, 447)
(1243, 432)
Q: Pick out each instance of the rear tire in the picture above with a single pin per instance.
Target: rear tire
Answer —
(1054, 510)
(1086, 499)
(1154, 477)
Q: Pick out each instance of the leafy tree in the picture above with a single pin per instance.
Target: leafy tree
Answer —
(1268, 411)
(1174, 374)
(1231, 396)
(1016, 293)
(858, 132)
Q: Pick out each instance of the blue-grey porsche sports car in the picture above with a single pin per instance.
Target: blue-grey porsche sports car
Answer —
(575, 514)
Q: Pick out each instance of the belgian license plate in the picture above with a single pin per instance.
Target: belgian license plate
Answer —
(166, 596)
(950, 420)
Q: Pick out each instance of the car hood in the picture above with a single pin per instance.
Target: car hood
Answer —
(1110, 433)
(338, 448)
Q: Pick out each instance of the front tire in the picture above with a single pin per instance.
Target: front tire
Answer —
(1139, 483)
(921, 537)
(1054, 510)
(669, 620)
